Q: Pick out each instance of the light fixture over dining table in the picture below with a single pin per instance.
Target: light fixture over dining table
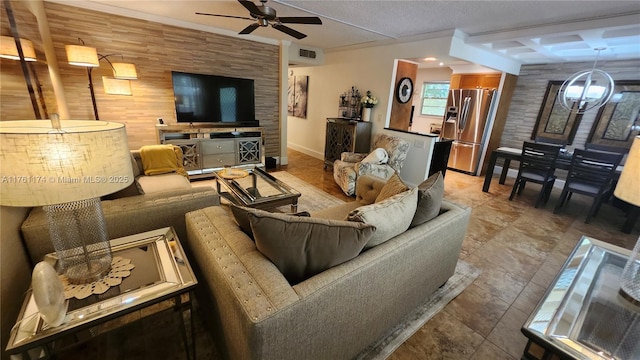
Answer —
(586, 89)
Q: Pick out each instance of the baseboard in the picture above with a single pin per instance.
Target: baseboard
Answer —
(306, 151)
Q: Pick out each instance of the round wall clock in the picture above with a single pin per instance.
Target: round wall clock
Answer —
(404, 90)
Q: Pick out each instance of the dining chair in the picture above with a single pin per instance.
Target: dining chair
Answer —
(537, 165)
(591, 173)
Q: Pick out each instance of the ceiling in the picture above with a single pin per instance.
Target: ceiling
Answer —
(528, 31)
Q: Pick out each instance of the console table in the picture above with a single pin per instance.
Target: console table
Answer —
(581, 315)
(345, 135)
(207, 148)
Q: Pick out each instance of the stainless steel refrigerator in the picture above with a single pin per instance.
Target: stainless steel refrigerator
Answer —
(465, 122)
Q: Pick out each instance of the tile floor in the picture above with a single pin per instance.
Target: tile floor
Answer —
(519, 249)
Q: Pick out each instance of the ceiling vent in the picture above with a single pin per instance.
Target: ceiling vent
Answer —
(309, 54)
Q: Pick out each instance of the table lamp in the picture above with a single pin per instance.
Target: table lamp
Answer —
(65, 166)
(628, 189)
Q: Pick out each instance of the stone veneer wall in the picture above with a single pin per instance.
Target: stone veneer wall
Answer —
(156, 50)
(530, 89)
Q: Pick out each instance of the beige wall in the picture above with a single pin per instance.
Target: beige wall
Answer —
(422, 123)
(156, 50)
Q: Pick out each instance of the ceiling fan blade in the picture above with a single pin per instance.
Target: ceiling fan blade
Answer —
(289, 31)
(249, 5)
(313, 20)
(249, 29)
(227, 16)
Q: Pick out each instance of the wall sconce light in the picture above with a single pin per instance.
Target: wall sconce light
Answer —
(581, 89)
(8, 49)
(81, 55)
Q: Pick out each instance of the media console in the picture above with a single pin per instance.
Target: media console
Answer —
(206, 148)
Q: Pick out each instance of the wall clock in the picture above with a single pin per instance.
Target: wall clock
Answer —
(404, 90)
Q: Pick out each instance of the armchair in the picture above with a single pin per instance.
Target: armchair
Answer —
(351, 165)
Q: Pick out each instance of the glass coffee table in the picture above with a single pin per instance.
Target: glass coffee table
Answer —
(162, 272)
(254, 187)
(582, 315)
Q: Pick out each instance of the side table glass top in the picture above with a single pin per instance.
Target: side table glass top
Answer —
(161, 271)
(582, 315)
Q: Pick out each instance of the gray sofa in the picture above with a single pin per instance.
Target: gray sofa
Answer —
(257, 314)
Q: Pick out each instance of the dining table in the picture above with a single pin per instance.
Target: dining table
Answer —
(563, 162)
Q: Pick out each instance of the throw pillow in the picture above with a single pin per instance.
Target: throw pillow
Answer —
(430, 193)
(394, 186)
(164, 182)
(301, 247)
(391, 216)
(377, 156)
(241, 215)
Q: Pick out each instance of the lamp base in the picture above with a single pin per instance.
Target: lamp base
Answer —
(79, 235)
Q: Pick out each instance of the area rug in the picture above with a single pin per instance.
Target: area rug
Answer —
(464, 275)
(312, 198)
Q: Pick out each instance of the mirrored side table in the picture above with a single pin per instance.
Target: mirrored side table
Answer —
(162, 277)
(582, 315)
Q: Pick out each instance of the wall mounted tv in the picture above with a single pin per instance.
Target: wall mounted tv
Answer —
(225, 101)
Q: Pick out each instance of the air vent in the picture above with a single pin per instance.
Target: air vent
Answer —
(310, 54)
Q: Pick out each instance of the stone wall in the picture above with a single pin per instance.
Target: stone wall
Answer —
(530, 89)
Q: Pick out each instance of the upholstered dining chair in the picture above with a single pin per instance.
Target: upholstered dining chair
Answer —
(537, 165)
(387, 156)
(591, 173)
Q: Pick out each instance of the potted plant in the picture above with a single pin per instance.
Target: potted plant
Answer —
(368, 102)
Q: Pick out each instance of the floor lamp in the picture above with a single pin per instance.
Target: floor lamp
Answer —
(86, 56)
(628, 189)
(66, 166)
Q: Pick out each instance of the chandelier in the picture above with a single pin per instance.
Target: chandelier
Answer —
(587, 89)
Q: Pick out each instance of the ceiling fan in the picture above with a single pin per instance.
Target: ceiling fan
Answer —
(264, 15)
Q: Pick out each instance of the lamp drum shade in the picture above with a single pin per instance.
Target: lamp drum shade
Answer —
(628, 188)
(125, 71)
(9, 50)
(42, 165)
(80, 55)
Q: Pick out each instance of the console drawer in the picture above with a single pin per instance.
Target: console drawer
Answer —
(217, 147)
(218, 160)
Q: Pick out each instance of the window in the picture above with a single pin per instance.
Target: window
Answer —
(434, 98)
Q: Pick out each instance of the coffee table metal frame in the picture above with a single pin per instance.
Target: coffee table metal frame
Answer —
(582, 315)
(174, 279)
(244, 197)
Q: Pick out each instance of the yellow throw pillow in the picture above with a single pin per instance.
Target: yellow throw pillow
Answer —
(394, 186)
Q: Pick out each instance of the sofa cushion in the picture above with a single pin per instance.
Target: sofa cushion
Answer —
(391, 216)
(394, 186)
(161, 183)
(430, 193)
(301, 247)
(377, 156)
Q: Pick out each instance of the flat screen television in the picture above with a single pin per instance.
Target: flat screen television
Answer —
(225, 101)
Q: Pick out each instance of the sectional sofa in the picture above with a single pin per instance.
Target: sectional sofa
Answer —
(259, 313)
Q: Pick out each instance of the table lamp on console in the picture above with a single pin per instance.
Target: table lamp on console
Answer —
(628, 189)
(66, 166)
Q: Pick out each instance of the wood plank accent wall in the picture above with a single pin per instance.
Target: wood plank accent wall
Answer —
(156, 49)
(529, 93)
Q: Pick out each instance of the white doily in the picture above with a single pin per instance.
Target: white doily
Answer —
(120, 268)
